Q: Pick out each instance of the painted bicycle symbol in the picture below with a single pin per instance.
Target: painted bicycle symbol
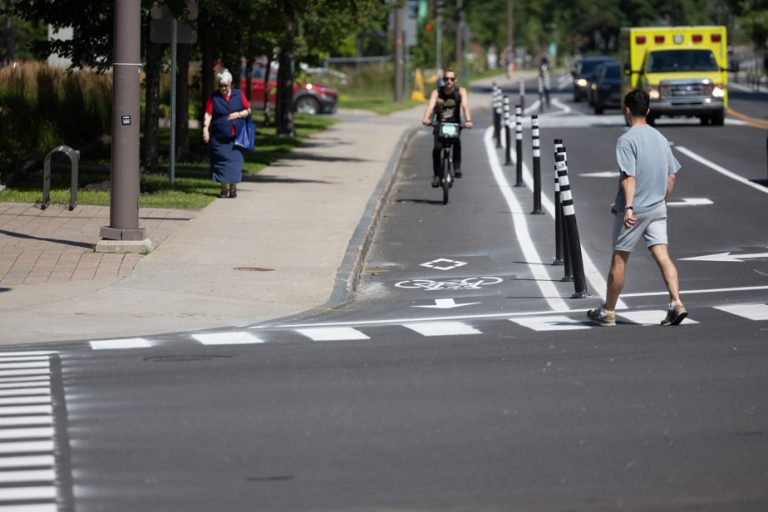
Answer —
(468, 283)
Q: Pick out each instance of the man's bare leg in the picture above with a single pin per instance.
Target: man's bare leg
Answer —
(616, 278)
(668, 269)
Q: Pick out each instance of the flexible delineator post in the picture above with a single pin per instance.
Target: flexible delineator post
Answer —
(569, 214)
(519, 144)
(522, 94)
(497, 115)
(507, 134)
(536, 165)
(558, 213)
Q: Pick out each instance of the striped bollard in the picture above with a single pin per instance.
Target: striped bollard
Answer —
(569, 214)
(536, 165)
(568, 261)
(558, 213)
(507, 132)
(519, 144)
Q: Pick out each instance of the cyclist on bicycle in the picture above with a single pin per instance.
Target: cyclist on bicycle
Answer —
(446, 103)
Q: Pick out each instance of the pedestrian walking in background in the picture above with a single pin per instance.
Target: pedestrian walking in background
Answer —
(222, 110)
(648, 170)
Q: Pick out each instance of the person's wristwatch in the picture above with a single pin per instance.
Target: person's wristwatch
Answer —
(627, 208)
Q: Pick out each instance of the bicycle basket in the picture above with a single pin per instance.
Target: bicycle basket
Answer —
(448, 130)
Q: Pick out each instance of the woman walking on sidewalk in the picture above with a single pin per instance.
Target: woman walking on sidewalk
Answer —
(222, 109)
(648, 170)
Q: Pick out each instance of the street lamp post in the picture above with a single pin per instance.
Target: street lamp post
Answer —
(124, 206)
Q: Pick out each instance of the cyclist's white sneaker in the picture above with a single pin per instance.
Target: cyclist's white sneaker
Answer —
(435, 181)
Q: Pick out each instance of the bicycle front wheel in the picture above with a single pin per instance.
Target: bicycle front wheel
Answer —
(445, 179)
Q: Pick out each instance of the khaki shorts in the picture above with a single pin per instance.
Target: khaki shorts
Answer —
(652, 226)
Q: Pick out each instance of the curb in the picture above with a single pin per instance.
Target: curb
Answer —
(348, 276)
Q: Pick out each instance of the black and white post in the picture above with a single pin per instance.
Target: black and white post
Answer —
(536, 165)
(569, 214)
(497, 114)
(519, 144)
(558, 213)
(507, 132)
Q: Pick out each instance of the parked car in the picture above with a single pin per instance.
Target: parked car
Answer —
(583, 74)
(309, 97)
(605, 91)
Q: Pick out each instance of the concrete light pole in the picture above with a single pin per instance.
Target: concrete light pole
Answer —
(124, 231)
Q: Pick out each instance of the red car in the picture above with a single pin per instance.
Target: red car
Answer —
(308, 97)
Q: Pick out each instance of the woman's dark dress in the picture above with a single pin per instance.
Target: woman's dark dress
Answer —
(226, 159)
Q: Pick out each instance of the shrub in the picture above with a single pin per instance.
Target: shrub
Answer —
(42, 107)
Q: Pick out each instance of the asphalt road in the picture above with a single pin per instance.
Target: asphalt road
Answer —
(463, 377)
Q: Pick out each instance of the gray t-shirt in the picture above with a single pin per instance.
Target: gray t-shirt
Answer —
(644, 153)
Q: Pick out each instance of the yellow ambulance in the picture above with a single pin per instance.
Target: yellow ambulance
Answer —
(683, 69)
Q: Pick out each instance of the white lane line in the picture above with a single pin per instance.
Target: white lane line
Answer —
(27, 353)
(563, 107)
(649, 317)
(27, 493)
(27, 391)
(26, 433)
(120, 344)
(593, 275)
(38, 507)
(332, 334)
(27, 447)
(551, 323)
(17, 421)
(22, 373)
(23, 359)
(25, 400)
(694, 292)
(725, 172)
(27, 461)
(15, 364)
(442, 328)
(228, 338)
(537, 267)
(23, 382)
(29, 475)
(26, 409)
(750, 311)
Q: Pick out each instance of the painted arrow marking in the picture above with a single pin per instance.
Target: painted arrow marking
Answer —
(691, 201)
(446, 304)
(728, 257)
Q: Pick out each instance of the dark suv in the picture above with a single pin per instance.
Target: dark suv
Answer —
(583, 74)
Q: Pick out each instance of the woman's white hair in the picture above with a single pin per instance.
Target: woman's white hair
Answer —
(224, 77)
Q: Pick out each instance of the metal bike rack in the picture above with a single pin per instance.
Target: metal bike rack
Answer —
(74, 160)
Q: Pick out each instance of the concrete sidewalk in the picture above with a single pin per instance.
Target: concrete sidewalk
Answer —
(290, 243)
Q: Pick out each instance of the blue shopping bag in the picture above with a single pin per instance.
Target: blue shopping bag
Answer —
(246, 134)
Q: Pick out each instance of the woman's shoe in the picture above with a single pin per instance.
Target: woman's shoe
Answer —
(224, 193)
(232, 191)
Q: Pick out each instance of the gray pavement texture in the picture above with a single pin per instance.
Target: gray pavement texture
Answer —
(290, 243)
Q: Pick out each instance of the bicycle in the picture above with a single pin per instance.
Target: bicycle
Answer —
(446, 134)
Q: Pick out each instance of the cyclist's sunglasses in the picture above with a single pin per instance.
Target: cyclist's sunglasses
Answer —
(450, 79)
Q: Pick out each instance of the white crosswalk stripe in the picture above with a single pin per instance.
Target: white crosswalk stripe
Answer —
(27, 434)
(755, 312)
(332, 334)
(227, 338)
(649, 317)
(442, 328)
(551, 323)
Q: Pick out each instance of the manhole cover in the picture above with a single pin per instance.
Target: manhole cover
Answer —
(254, 269)
(183, 359)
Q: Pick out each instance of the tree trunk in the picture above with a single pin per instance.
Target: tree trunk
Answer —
(205, 32)
(182, 101)
(151, 153)
(267, 91)
(284, 104)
